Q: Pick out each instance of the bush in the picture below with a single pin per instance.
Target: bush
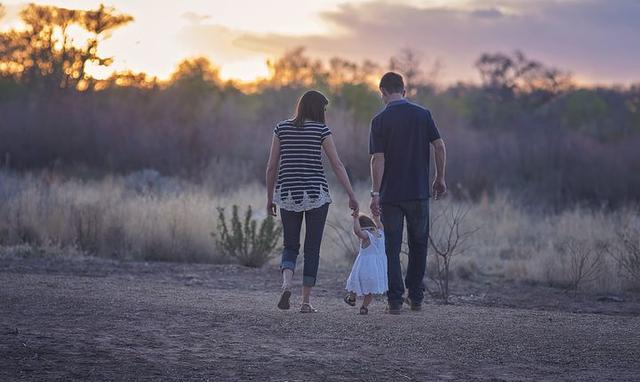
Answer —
(584, 262)
(448, 238)
(244, 242)
(344, 240)
(627, 255)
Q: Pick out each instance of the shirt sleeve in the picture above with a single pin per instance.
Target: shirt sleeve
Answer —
(276, 131)
(432, 130)
(376, 138)
(325, 133)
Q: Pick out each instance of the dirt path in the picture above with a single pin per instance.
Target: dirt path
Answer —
(88, 319)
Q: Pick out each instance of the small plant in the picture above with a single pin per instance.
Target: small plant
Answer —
(627, 255)
(87, 222)
(448, 239)
(345, 239)
(243, 241)
(584, 264)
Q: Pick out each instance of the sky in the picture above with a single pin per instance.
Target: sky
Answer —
(598, 41)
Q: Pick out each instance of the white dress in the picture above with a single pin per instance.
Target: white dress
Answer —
(369, 271)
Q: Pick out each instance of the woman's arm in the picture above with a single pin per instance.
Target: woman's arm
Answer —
(329, 147)
(272, 170)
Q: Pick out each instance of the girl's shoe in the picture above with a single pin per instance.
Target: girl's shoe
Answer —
(284, 304)
(307, 308)
(364, 310)
(350, 299)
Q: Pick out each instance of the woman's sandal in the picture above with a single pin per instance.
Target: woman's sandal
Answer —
(350, 300)
(307, 308)
(284, 304)
(364, 310)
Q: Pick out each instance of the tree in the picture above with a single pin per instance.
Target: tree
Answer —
(408, 63)
(509, 75)
(196, 74)
(295, 69)
(44, 55)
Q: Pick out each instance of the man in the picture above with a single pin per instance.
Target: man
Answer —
(399, 148)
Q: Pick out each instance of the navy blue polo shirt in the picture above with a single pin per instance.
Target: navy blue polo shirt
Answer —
(403, 131)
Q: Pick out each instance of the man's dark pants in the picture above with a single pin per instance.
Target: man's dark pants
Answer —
(416, 213)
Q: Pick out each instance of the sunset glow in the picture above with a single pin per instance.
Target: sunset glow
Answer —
(240, 36)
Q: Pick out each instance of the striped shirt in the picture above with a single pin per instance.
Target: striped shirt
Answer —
(301, 184)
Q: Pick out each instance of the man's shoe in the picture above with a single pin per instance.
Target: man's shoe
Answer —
(413, 305)
(393, 309)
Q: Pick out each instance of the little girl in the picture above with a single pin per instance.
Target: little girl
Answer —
(369, 273)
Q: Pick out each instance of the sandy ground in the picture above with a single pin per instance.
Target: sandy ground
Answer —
(91, 319)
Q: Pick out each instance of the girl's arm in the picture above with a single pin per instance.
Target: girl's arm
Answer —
(272, 170)
(376, 219)
(338, 168)
(357, 229)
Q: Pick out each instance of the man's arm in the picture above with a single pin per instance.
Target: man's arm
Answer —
(439, 184)
(377, 170)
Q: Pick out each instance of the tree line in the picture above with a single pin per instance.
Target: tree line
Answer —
(527, 127)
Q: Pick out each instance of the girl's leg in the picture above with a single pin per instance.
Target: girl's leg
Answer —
(314, 223)
(367, 300)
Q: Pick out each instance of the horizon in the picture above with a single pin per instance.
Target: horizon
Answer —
(240, 43)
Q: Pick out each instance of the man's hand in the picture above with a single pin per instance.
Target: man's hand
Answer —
(375, 205)
(439, 188)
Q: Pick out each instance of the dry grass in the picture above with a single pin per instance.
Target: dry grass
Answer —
(149, 217)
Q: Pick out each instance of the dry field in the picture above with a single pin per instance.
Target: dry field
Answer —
(145, 216)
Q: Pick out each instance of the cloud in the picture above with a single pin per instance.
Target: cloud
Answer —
(488, 13)
(195, 18)
(597, 40)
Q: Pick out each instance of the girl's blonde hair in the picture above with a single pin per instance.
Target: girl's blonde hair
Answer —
(366, 222)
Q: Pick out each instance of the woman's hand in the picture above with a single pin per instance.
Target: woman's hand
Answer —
(271, 208)
(353, 204)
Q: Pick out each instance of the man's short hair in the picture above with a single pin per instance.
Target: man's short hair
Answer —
(392, 82)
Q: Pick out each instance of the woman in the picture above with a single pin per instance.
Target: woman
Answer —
(301, 190)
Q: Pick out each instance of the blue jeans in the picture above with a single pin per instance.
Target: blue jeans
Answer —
(416, 213)
(314, 227)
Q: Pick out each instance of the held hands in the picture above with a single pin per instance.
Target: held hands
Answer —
(439, 188)
(353, 205)
(375, 205)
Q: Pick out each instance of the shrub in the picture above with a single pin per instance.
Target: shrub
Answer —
(344, 239)
(627, 255)
(448, 239)
(583, 263)
(243, 241)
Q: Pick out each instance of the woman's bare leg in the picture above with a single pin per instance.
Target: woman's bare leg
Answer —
(306, 292)
(287, 276)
